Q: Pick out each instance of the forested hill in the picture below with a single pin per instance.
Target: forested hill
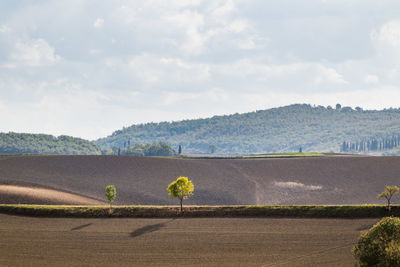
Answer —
(21, 143)
(284, 129)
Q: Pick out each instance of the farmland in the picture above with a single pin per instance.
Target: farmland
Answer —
(177, 242)
(257, 181)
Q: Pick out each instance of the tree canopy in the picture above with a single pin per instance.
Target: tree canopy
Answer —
(22, 143)
(182, 188)
(111, 193)
(388, 193)
(380, 245)
(155, 149)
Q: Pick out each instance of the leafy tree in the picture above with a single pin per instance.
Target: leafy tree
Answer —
(180, 149)
(155, 149)
(380, 246)
(111, 193)
(182, 188)
(388, 193)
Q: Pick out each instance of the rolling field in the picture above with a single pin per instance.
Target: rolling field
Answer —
(29, 241)
(258, 181)
(15, 194)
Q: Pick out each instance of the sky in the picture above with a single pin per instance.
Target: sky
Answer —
(87, 68)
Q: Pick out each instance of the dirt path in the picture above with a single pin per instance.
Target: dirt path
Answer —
(26, 195)
(178, 242)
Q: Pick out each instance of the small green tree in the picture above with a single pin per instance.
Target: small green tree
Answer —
(182, 188)
(380, 245)
(388, 193)
(111, 193)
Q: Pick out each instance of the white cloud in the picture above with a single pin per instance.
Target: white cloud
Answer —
(185, 3)
(238, 26)
(371, 79)
(179, 59)
(217, 25)
(225, 9)
(192, 23)
(151, 71)
(99, 22)
(328, 75)
(211, 95)
(312, 74)
(192, 71)
(94, 51)
(34, 53)
(4, 29)
(172, 98)
(374, 98)
(249, 42)
(388, 33)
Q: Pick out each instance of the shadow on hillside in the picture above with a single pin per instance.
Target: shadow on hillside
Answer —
(149, 228)
(81, 226)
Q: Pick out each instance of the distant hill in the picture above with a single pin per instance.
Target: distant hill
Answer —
(284, 129)
(22, 143)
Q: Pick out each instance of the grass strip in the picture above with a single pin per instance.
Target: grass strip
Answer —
(303, 211)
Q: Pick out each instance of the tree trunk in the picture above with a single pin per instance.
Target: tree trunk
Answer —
(181, 206)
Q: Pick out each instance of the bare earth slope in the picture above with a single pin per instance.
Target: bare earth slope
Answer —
(17, 194)
(140, 180)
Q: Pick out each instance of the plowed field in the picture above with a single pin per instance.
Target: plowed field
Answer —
(141, 180)
(28, 241)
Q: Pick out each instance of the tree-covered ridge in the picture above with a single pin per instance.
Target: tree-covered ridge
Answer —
(285, 129)
(22, 143)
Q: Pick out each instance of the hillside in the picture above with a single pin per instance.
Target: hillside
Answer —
(21, 143)
(31, 194)
(282, 129)
(143, 180)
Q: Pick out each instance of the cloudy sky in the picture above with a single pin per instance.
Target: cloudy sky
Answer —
(87, 68)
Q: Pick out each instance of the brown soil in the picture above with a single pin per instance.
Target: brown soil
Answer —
(29, 241)
(34, 195)
(142, 180)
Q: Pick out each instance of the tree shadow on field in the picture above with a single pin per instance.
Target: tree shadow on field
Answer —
(365, 227)
(81, 226)
(149, 228)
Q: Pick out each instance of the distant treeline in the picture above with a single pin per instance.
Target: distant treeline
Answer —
(143, 150)
(277, 130)
(371, 145)
(22, 143)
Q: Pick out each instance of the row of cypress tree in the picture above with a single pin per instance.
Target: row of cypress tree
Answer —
(372, 144)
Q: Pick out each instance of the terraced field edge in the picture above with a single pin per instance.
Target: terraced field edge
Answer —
(304, 211)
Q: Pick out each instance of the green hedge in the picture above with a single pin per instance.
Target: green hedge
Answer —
(308, 211)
